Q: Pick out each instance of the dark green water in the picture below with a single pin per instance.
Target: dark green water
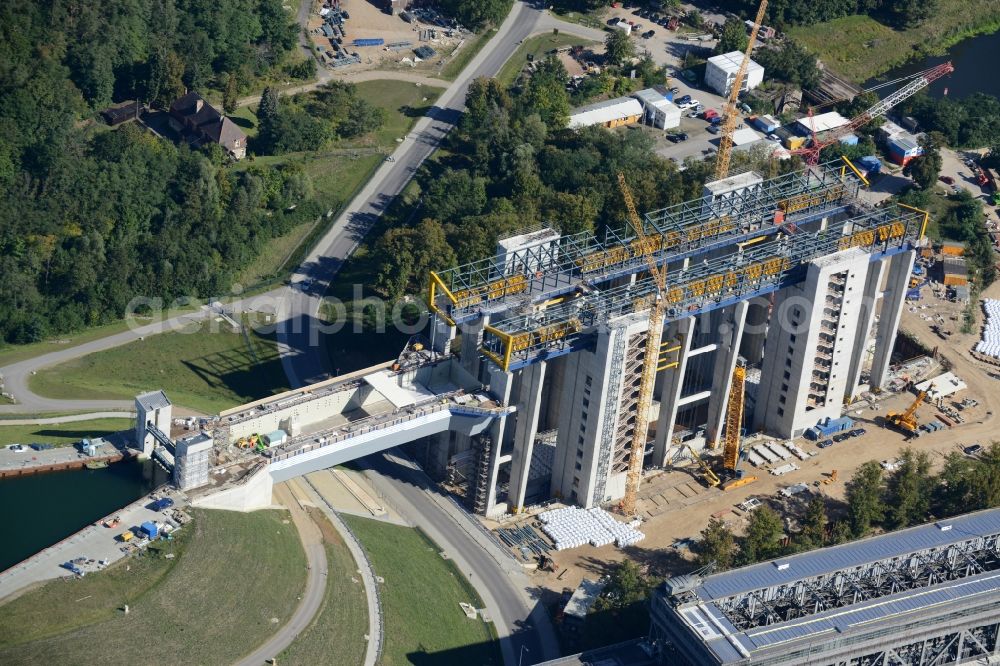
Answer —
(43, 509)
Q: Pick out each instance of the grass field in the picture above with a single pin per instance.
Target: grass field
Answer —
(61, 434)
(865, 48)
(234, 582)
(421, 593)
(455, 66)
(205, 367)
(340, 625)
(403, 102)
(15, 353)
(537, 47)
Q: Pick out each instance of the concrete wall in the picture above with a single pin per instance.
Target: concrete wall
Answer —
(312, 411)
(251, 495)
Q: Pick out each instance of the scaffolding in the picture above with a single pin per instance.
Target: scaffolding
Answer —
(685, 230)
(567, 326)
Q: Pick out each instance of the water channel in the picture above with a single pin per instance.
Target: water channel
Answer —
(44, 509)
(975, 61)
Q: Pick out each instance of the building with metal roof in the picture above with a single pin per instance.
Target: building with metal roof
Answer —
(610, 113)
(925, 595)
(720, 72)
(823, 122)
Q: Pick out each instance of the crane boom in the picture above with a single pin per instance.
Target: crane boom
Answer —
(730, 114)
(878, 109)
(651, 358)
(710, 477)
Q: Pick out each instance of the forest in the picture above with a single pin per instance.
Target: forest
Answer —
(93, 217)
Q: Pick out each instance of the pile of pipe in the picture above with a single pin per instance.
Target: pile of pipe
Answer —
(572, 526)
(990, 344)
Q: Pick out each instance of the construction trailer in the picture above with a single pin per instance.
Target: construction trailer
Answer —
(794, 274)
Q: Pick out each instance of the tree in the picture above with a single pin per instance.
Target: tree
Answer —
(545, 94)
(733, 38)
(618, 48)
(267, 111)
(925, 169)
(230, 94)
(790, 62)
(762, 540)
(694, 18)
(717, 545)
(626, 585)
(908, 490)
(864, 498)
(813, 534)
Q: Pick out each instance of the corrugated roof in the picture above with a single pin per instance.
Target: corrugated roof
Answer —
(604, 112)
(823, 122)
(828, 560)
(152, 400)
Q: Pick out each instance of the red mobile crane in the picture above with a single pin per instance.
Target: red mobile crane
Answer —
(921, 81)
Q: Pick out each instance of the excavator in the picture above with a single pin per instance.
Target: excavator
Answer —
(906, 421)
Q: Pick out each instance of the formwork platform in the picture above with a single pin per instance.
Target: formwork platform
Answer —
(686, 230)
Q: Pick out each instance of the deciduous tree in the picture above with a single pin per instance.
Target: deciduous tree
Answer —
(717, 545)
(864, 498)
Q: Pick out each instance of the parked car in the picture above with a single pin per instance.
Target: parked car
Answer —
(678, 137)
(826, 443)
(857, 432)
(713, 129)
(17, 448)
(648, 34)
(675, 90)
(684, 100)
(972, 450)
(947, 180)
(841, 437)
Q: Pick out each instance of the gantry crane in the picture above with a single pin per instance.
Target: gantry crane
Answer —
(921, 81)
(730, 114)
(652, 353)
(906, 420)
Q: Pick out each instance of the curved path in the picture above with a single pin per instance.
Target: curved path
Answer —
(17, 375)
(312, 596)
(69, 418)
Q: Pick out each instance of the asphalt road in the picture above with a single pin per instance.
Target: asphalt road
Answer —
(16, 375)
(299, 339)
(519, 622)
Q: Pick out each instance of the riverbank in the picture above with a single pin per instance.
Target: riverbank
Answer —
(864, 48)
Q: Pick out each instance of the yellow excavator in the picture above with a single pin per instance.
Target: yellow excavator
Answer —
(711, 478)
(907, 419)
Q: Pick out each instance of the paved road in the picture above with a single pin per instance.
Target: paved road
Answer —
(312, 597)
(16, 375)
(299, 340)
(71, 418)
(500, 581)
(517, 623)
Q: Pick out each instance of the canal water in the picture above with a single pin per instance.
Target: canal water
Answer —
(43, 509)
(976, 69)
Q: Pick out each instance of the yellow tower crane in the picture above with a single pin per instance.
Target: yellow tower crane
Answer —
(734, 425)
(652, 353)
(731, 114)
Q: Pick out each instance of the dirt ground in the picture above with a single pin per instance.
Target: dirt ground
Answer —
(683, 505)
(368, 21)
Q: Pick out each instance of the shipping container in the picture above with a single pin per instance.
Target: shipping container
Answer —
(374, 41)
(149, 529)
